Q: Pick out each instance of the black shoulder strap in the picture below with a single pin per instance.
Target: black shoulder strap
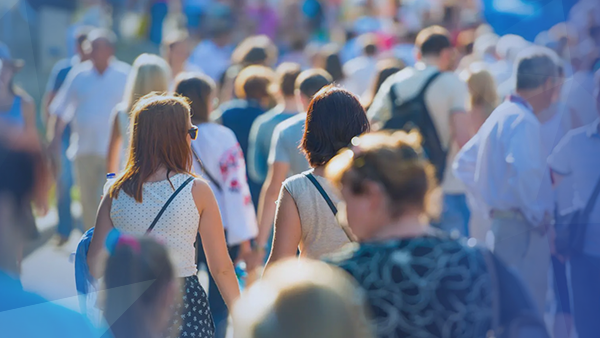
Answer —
(203, 168)
(167, 204)
(317, 185)
(428, 83)
(419, 96)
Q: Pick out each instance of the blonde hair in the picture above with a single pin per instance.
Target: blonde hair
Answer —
(482, 89)
(302, 298)
(149, 73)
(394, 160)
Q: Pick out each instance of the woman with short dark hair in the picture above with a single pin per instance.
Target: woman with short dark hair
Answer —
(304, 218)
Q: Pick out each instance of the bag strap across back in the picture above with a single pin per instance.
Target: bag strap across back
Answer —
(322, 191)
(164, 207)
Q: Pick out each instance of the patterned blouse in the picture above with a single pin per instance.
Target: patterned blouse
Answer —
(430, 286)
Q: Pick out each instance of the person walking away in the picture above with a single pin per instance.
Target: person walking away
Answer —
(88, 96)
(361, 71)
(329, 303)
(504, 167)
(219, 159)
(577, 157)
(175, 49)
(23, 179)
(18, 119)
(262, 129)
(253, 87)
(158, 170)
(328, 59)
(285, 157)
(444, 97)
(64, 181)
(140, 288)
(148, 74)
(388, 189)
(305, 219)
(483, 99)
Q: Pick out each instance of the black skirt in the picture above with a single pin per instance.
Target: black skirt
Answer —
(192, 317)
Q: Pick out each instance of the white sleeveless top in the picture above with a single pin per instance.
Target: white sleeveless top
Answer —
(177, 227)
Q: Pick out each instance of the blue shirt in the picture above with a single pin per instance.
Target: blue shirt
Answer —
(238, 115)
(24, 314)
(578, 157)
(259, 146)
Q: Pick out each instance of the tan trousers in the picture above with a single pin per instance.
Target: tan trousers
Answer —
(526, 252)
(91, 176)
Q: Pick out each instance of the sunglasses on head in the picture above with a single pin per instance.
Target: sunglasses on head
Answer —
(193, 132)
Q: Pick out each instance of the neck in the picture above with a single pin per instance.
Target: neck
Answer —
(177, 67)
(535, 100)
(431, 61)
(319, 171)
(407, 226)
(101, 68)
(290, 104)
(5, 93)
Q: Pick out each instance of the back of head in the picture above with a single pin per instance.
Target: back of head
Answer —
(310, 81)
(149, 73)
(172, 39)
(299, 299)
(334, 117)
(255, 50)
(255, 83)
(287, 73)
(137, 280)
(394, 161)
(198, 89)
(369, 44)
(482, 88)
(158, 137)
(431, 41)
(101, 34)
(535, 66)
(332, 62)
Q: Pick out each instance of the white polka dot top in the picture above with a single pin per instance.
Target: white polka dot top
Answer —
(177, 227)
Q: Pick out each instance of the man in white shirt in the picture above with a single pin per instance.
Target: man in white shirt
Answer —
(445, 99)
(360, 71)
(88, 96)
(504, 166)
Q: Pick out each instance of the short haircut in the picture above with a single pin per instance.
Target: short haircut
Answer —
(535, 65)
(334, 117)
(431, 41)
(369, 44)
(102, 34)
(254, 82)
(255, 50)
(309, 82)
(287, 73)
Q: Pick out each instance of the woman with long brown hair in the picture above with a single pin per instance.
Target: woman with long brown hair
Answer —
(158, 171)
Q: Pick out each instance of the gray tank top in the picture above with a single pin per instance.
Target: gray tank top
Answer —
(321, 233)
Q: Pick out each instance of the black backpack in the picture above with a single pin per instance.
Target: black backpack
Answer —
(413, 114)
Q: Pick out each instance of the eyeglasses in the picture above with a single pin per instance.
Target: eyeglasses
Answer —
(193, 132)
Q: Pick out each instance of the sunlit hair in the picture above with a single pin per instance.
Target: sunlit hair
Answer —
(159, 125)
(149, 73)
(299, 299)
(137, 275)
(255, 82)
(395, 161)
(198, 89)
(255, 50)
(482, 89)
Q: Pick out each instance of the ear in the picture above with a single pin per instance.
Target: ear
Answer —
(418, 55)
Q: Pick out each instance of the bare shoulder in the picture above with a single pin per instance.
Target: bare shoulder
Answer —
(201, 189)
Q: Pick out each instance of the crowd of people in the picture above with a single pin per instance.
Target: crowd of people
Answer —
(353, 190)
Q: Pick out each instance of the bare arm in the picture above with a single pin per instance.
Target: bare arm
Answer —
(97, 253)
(288, 231)
(461, 127)
(266, 205)
(213, 241)
(114, 148)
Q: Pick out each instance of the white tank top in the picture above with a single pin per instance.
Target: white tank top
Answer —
(177, 227)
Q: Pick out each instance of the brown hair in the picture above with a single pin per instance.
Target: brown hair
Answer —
(393, 160)
(197, 88)
(137, 274)
(433, 40)
(255, 82)
(159, 125)
(287, 73)
(385, 69)
(334, 117)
